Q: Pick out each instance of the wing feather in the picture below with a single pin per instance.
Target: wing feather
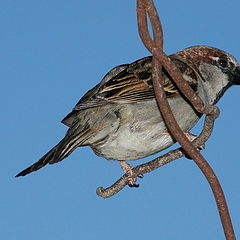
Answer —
(128, 84)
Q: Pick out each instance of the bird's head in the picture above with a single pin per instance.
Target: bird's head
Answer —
(215, 70)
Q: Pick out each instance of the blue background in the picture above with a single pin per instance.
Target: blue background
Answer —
(51, 53)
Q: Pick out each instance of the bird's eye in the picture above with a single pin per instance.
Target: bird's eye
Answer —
(223, 62)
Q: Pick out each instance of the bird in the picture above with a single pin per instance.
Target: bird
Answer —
(119, 117)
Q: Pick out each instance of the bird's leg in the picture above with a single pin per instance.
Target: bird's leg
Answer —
(191, 137)
(127, 168)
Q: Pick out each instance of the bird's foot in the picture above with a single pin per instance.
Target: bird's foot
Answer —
(127, 168)
(191, 137)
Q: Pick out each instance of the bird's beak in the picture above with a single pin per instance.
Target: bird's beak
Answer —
(236, 76)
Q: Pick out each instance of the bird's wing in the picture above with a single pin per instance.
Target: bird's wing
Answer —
(126, 84)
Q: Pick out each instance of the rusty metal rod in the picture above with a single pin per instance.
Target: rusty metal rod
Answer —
(145, 7)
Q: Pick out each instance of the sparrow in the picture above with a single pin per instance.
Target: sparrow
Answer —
(119, 118)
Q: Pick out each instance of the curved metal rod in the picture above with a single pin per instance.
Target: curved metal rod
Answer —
(160, 59)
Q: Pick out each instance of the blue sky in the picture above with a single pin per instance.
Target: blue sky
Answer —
(52, 52)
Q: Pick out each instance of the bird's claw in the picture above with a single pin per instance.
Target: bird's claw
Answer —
(134, 185)
(131, 180)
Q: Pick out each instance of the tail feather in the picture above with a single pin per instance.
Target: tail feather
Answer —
(56, 154)
(39, 164)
